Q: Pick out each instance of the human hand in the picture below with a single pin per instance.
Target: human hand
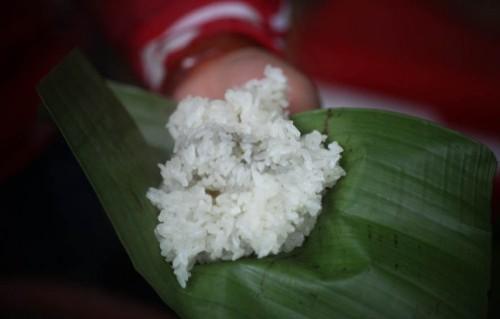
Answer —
(212, 78)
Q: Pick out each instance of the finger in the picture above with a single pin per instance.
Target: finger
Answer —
(302, 95)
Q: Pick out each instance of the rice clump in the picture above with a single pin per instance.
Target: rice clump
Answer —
(241, 179)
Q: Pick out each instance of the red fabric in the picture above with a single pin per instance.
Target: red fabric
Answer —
(409, 49)
(131, 24)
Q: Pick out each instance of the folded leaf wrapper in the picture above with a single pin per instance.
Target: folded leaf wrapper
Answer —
(405, 234)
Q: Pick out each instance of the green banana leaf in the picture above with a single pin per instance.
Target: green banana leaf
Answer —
(406, 234)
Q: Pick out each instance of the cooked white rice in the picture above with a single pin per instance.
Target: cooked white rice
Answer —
(241, 180)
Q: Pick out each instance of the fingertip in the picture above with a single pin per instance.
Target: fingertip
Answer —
(303, 96)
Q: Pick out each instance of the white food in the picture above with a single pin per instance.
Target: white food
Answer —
(241, 180)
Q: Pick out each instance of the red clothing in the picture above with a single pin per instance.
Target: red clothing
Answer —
(151, 33)
(409, 49)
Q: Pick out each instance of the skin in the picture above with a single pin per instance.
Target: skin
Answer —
(212, 78)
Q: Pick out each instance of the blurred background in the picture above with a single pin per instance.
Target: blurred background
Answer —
(59, 256)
